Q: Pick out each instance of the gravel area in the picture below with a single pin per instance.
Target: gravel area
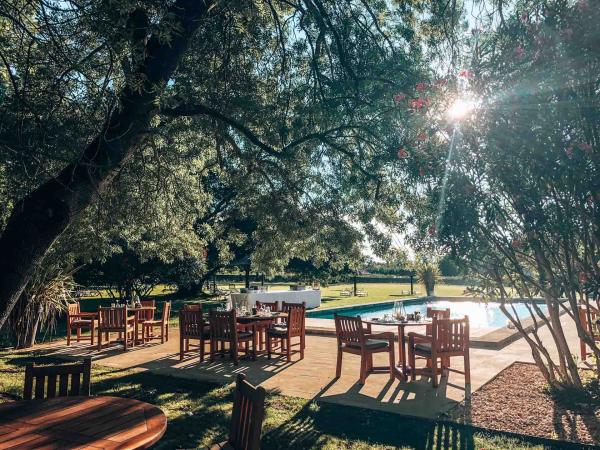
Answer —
(516, 401)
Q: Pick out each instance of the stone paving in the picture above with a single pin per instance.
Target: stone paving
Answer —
(313, 377)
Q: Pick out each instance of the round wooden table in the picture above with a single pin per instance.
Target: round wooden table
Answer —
(80, 422)
(402, 368)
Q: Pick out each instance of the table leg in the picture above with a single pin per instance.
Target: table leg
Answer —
(401, 349)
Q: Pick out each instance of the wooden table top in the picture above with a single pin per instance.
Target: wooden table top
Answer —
(80, 422)
(395, 323)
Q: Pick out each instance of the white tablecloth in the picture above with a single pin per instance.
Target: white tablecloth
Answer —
(312, 298)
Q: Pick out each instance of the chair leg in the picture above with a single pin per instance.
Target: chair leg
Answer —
(338, 367)
(269, 349)
(99, 340)
(202, 343)
(92, 329)
(234, 352)
(167, 332)
(302, 344)
(363, 368)
(78, 334)
(212, 350)
(125, 341)
(68, 334)
(392, 361)
(181, 347)
(434, 372)
(289, 348)
(467, 368)
(163, 333)
(581, 346)
(412, 361)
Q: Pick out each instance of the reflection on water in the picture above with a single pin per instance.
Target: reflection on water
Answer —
(481, 315)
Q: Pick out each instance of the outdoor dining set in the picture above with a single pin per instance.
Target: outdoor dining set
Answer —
(444, 338)
(264, 329)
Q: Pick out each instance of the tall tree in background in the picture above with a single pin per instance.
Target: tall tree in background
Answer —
(306, 95)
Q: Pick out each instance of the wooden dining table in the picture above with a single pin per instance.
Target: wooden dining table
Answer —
(258, 323)
(80, 422)
(402, 368)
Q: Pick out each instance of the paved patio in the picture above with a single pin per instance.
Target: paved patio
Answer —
(313, 377)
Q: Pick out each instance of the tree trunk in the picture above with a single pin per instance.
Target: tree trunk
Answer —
(39, 219)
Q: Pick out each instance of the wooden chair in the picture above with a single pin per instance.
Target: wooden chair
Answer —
(225, 330)
(294, 327)
(589, 316)
(353, 338)
(47, 376)
(112, 320)
(192, 326)
(449, 338)
(247, 417)
(149, 325)
(78, 320)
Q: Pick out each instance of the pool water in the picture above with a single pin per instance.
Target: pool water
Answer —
(481, 315)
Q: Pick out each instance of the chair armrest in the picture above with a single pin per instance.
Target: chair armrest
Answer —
(86, 314)
(383, 335)
(131, 319)
(421, 337)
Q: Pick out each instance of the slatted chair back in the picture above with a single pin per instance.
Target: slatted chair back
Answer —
(147, 314)
(112, 318)
(46, 378)
(223, 325)
(295, 321)
(247, 417)
(191, 321)
(193, 307)
(285, 306)
(450, 335)
(273, 306)
(349, 330)
(73, 310)
(166, 312)
(438, 314)
(589, 316)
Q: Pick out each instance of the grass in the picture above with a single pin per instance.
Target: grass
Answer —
(198, 414)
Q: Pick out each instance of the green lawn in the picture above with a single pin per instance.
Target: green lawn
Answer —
(199, 414)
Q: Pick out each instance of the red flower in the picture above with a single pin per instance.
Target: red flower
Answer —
(516, 244)
(422, 171)
(422, 137)
(441, 82)
(432, 230)
(417, 103)
(583, 277)
(402, 153)
(421, 86)
(587, 148)
(519, 52)
(524, 17)
(399, 97)
(569, 152)
(590, 201)
(466, 74)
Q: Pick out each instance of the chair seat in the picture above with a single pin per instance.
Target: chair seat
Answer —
(122, 329)
(244, 335)
(82, 323)
(371, 344)
(277, 331)
(424, 347)
(152, 322)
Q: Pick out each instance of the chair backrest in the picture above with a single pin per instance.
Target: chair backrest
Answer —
(274, 306)
(450, 335)
(349, 330)
(46, 378)
(148, 314)
(112, 317)
(285, 306)
(166, 313)
(247, 417)
(222, 324)
(295, 321)
(588, 317)
(191, 322)
(438, 314)
(72, 310)
(192, 307)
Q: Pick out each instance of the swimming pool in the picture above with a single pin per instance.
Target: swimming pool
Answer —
(481, 315)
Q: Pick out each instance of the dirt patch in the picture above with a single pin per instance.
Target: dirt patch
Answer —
(516, 401)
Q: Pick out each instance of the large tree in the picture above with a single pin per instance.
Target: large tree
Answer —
(293, 91)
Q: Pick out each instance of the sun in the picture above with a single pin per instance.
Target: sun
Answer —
(460, 109)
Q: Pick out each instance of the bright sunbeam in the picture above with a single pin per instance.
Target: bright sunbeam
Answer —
(460, 109)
